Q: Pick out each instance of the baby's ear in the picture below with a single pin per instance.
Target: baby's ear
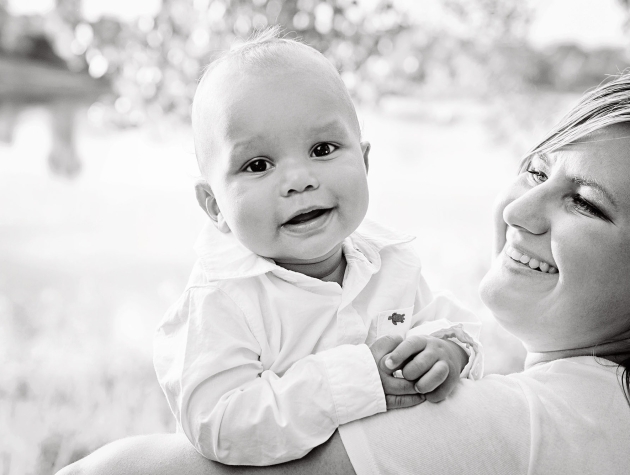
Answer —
(209, 204)
(365, 149)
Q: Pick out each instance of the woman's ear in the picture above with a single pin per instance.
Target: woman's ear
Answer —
(365, 149)
(209, 204)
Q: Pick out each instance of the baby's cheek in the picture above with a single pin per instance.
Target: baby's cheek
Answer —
(352, 184)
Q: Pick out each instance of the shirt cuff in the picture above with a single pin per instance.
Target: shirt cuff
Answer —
(466, 335)
(354, 382)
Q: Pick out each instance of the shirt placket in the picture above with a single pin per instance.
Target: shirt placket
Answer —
(351, 327)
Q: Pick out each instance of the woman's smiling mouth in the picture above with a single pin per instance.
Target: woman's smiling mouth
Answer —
(532, 263)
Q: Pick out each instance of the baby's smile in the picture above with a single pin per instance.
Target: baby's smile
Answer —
(308, 220)
(304, 216)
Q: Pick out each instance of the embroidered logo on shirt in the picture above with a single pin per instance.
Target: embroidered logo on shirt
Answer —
(397, 318)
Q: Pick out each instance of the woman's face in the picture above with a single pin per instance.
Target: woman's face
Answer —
(562, 276)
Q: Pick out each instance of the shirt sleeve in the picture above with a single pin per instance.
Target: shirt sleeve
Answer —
(482, 428)
(235, 411)
(440, 315)
(564, 417)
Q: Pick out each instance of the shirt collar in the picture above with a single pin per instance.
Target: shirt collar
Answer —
(613, 350)
(372, 237)
(223, 257)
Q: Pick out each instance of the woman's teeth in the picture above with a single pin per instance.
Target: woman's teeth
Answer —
(530, 261)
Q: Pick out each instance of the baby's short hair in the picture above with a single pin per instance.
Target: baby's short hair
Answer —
(264, 49)
(269, 49)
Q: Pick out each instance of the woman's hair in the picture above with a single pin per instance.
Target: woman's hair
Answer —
(603, 106)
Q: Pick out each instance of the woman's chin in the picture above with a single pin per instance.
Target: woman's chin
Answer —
(489, 290)
(506, 303)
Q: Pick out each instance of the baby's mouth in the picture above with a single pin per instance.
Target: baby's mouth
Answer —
(533, 263)
(308, 216)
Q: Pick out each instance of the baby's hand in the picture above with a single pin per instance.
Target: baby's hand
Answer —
(398, 392)
(432, 363)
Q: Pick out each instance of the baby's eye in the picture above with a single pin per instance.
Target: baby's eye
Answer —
(258, 166)
(323, 149)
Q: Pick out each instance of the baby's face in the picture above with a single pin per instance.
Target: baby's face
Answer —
(285, 163)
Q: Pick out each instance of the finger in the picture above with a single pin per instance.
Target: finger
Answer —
(433, 378)
(441, 393)
(384, 345)
(445, 389)
(409, 400)
(409, 347)
(420, 365)
(397, 386)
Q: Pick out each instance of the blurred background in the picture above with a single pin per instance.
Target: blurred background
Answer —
(97, 210)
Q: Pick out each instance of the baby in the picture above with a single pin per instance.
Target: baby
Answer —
(267, 351)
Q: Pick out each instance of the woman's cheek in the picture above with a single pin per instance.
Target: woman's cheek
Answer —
(500, 226)
(504, 198)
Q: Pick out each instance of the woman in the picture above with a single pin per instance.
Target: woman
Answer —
(560, 283)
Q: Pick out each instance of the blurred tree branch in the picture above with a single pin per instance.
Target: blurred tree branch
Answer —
(153, 63)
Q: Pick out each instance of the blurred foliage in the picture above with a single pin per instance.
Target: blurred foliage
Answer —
(155, 62)
(380, 48)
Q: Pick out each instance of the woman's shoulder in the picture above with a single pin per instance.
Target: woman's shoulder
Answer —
(566, 417)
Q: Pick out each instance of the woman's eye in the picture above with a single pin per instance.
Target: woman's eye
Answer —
(258, 166)
(323, 149)
(537, 175)
(585, 207)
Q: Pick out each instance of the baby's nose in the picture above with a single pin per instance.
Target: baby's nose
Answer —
(299, 179)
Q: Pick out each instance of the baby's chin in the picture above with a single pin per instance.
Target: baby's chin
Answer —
(305, 258)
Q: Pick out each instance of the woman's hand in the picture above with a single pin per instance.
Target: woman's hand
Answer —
(398, 392)
(434, 365)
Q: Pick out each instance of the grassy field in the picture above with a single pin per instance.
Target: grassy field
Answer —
(88, 266)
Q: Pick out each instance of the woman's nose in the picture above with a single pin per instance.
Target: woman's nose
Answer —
(529, 211)
(298, 178)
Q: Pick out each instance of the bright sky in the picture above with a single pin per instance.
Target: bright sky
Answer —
(591, 23)
(92, 9)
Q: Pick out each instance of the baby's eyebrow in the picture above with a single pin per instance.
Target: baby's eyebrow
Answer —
(332, 126)
(245, 144)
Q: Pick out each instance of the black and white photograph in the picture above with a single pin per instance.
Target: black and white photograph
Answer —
(314, 237)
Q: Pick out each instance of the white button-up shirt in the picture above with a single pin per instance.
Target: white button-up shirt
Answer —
(261, 364)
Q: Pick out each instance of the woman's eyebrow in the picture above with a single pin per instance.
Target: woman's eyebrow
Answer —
(545, 158)
(583, 181)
